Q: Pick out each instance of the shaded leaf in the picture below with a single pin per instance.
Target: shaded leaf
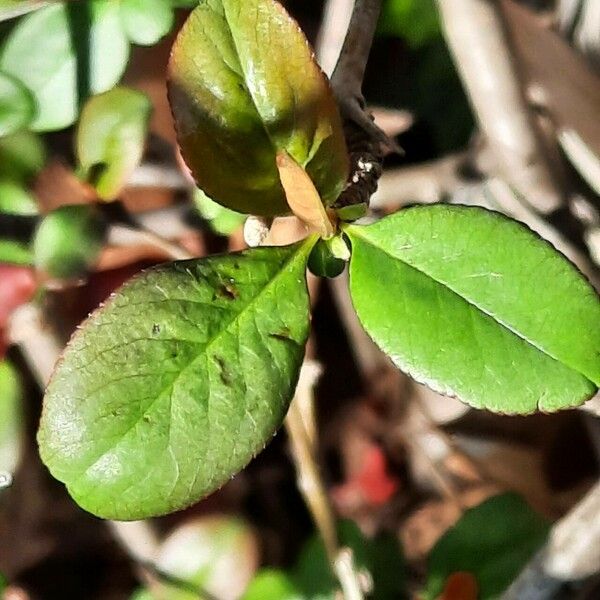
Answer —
(17, 107)
(22, 155)
(492, 541)
(238, 98)
(68, 240)
(315, 579)
(146, 21)
(477, 306)
(41, 52)
(111, 137)
(416, 21)
(173, 385)
(201, 552)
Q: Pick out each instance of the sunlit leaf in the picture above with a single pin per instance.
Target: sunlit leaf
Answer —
(272, 584)
(173, 385)
(222, 220)
(477, 306)
(111, 137)
(492, 541)
(238, 98)
(146, 21)
(11, 418)
(64, 52)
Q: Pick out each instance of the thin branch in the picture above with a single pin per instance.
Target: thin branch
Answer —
(474, 30)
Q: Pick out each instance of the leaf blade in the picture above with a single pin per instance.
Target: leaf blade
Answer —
(230, 88)
(465, 295)
(188, 425)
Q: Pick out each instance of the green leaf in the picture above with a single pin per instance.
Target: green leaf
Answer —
(238, 98)
(43, 52)
(68, 240)
(315, 579)
(477, 306)
(174, 384)
(492, 541)
(15, 252)
(22, 155)
(16, 200)
(17, 107)
(146, 21)
(199, 553)
(416, 21)
(272, 584)
(329, 257)
(111, 136)
(11, 418)
(222, 220)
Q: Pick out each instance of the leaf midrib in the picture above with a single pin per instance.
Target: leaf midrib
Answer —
(303, 249)
(357, 232)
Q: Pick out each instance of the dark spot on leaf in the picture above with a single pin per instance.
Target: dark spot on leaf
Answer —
(228, 291)
(283, 334)
(155, 329)
(224, 372)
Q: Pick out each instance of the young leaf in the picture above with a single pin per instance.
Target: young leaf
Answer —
(174, 384)
(16, 200)
(478, 306)
(492, 541)
(111, 136)
(146, 21)
(302, 196)
(238, 98)
(16, 105)
(46, 52)
(68, 240)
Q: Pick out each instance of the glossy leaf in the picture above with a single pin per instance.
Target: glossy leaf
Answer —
(11, 418)
(111, 136)
(329, 257)
(174, 384)
(22, 155)
(68, 240)
(222, 220)
(315, 579)
(492, 541)
(43, 53)
(243, 86)
(477, 306)
(17, 107)
(272, 584)
(146, 21)
(216, 554)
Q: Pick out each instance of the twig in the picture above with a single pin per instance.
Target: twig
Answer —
(125, 235)
(366, 142)
(475, 34)
(336, 18)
